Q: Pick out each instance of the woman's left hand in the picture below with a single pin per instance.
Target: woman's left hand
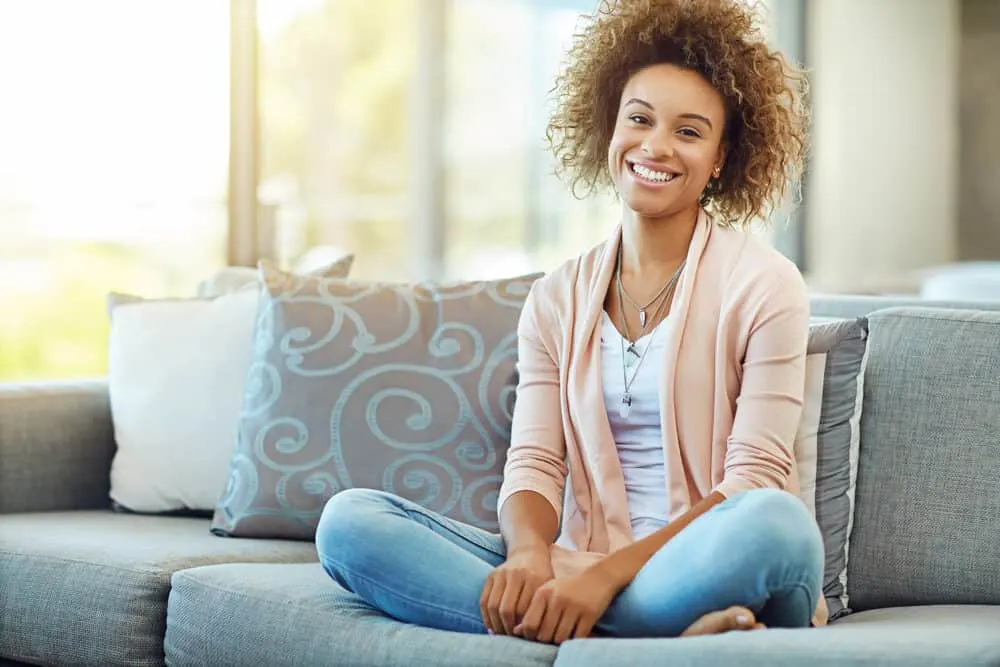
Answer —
(564, 609)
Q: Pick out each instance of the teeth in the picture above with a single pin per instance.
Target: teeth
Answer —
(651, 175)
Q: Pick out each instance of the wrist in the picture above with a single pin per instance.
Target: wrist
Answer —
(614, 571)
(528, 550)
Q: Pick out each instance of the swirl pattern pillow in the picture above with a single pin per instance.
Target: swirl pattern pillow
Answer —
(407, 388)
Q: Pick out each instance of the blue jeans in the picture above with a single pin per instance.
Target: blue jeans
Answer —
(760, 549)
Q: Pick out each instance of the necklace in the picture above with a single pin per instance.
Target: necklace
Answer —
(625, 406)
(642, 309)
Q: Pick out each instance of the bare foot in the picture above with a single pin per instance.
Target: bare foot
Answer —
(717, 622)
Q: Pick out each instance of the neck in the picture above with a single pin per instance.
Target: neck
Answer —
(652, 244)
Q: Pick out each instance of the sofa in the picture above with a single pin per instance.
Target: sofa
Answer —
(81, 584)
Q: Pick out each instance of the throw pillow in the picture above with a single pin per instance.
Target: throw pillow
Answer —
(826, 446)
(176, 373)
(403, 387)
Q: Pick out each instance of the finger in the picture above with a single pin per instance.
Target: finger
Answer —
(524, 599)
(493, 605)
(565, 628)
(508, 605)
(584, 627)
(528, 627)
(550, 621)
(484, 599)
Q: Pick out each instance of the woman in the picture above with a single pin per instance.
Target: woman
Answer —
(649, 485)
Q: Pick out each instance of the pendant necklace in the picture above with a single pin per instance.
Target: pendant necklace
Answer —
(625, 406)
(642, 309)
(631, 355)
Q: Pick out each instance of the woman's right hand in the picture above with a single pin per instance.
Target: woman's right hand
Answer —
(510, 588)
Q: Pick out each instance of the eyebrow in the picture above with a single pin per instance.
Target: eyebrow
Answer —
(690, 116)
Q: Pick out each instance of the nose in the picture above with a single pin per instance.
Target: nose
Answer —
(658, 143)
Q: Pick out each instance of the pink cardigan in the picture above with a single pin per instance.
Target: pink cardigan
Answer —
(733, 381)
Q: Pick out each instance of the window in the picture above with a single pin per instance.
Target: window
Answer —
(113, 168)
(410, 132)
(506, 211)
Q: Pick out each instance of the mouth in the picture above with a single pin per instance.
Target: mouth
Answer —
(649, 175)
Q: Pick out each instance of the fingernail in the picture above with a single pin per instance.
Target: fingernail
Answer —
(743, 619)
(489, 632)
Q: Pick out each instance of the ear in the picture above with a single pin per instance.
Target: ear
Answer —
(720, 160)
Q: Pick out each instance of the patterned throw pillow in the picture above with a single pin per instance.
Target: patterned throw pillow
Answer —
(406, 388)
(827, 444)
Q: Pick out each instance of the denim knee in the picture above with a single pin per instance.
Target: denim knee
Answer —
(784, 528)
(345, 517)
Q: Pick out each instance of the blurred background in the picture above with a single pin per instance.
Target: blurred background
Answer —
(144, 144)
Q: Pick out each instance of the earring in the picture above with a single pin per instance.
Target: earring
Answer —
(718, 171)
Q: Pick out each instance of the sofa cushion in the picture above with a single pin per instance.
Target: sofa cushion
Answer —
(277, 615)
(407, 388)
(903, 637)
(90, 588)
(925, 526)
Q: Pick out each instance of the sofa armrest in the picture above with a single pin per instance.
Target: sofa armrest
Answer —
(56, 446)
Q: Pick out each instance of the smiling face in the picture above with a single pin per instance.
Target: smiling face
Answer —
(667, 141)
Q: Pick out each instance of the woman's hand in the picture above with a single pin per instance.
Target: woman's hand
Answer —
(510, 588)
(568, 608)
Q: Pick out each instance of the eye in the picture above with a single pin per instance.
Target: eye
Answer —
(638, 118)
(690, 132)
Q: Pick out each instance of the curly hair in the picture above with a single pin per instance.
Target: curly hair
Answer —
(723, 40)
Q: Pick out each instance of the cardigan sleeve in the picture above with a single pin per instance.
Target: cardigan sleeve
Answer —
(536, 458)
(759, 452)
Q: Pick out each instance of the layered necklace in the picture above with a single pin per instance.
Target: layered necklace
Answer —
(631, 356)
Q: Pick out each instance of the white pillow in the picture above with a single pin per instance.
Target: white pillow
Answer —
(176, 371)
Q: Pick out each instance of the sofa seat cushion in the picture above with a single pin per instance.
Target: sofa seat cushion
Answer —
(278, 615)
(904, 636)
(90, 588)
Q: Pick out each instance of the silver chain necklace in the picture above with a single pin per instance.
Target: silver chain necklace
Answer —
(643, 322)
(642, 309)
(625, 406)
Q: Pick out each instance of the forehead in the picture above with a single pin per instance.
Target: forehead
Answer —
(671, 89)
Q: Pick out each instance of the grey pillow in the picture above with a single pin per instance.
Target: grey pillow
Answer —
(826, 448)
(405, 388)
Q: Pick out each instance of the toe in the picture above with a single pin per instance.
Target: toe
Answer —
(734, 618)
(739, 618)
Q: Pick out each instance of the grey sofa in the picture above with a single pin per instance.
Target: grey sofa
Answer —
(82, 585)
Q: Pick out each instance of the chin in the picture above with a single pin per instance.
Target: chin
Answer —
(647, 207)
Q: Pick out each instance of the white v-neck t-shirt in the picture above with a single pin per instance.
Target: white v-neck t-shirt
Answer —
(638, 435)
